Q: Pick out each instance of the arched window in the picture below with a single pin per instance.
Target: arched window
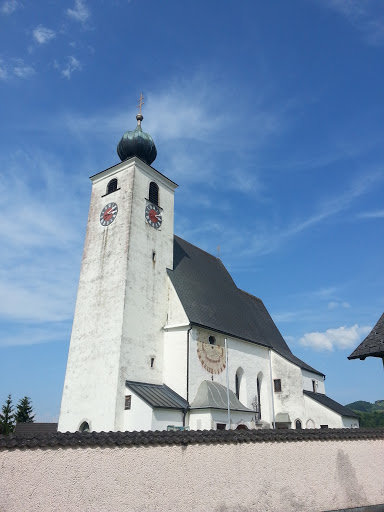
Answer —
(240, 385)
(84, 427)
(112, 186)
(258, 384)
(153, 193)
(298, 424)
(212, 340)
(237, 384)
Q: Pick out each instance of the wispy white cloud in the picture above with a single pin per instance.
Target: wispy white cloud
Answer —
(3, 71)
(72, 64)
(376, 214)
(338, 338)
(22, 70)
(43, 34)
(366, 16)
(9, 6)
(335, 304)
(268, 241)
(39, 247)
(17, 68)
(80, 12)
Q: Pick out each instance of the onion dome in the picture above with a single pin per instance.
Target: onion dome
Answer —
(137, 143)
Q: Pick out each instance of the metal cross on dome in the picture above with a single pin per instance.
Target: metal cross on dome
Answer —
(141, 102)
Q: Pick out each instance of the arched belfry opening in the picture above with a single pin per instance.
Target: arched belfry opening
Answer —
(112, 186)
(153, 194)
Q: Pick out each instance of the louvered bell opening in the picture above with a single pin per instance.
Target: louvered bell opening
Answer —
(154, 193)
(112, 186)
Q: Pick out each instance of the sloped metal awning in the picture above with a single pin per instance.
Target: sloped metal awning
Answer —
(282, 417)
(157, 396)
(211, 395)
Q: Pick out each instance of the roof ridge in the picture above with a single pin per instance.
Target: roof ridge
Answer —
(198, 248)
(250, 294)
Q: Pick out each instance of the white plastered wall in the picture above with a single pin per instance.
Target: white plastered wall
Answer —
(122, 299)
(162, 418)
(309, 377)
(139, 416)
(290, 399)
(91, 380)
(321, 415)
(252, 358)
(281, 477)
(145, 307)
(206, 419)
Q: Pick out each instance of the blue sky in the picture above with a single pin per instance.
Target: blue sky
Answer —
(269, 115)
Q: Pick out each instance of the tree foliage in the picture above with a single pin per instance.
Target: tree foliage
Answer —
(24, 411)
(370, 415)
(7, 418)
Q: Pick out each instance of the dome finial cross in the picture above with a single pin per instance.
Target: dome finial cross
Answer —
(141, 102)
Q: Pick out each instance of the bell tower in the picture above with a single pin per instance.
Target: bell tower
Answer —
(121, 304)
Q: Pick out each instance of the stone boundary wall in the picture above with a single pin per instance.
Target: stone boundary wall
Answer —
(199, 471)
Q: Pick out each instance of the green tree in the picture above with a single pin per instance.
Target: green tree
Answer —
(7, 423)
(24, 411)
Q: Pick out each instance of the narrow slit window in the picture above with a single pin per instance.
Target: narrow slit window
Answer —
(314, 386)
(277, 385)
(127, 402)
(152, 362)
(112, 186)
(153, 193)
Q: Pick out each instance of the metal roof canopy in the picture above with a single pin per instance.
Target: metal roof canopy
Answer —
(157, 396)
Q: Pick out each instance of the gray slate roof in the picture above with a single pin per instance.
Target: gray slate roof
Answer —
(157, 395)
(331, 404)
(211, 299)
(373, 344)
(211, 395)
(27, 429)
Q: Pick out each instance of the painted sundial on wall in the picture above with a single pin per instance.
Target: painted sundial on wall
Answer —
(211, 352)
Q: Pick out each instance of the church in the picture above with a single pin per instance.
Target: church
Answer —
(162, 337)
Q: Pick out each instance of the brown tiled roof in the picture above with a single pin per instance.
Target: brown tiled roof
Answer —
(166, 438)
(373, 344)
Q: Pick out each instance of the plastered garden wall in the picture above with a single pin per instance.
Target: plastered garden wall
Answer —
(200, 471)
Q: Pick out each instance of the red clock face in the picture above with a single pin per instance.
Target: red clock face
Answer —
(153, 216)
(108, 214)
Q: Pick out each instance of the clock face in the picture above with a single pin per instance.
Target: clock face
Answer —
(211, 356)
(153, 216)
(108, 214)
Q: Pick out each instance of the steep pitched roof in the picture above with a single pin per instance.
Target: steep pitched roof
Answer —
(212, 395)
(211, 299)
(157, 395)
(331, 404)
(373, 344)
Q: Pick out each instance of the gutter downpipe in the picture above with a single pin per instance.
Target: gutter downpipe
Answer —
(186, 410)
(273, 400)
(226, 366)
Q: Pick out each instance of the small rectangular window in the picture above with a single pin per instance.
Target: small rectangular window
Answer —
(277, 385)
(323, 426)
(127, 402)
(221, 426)
(314, 386)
